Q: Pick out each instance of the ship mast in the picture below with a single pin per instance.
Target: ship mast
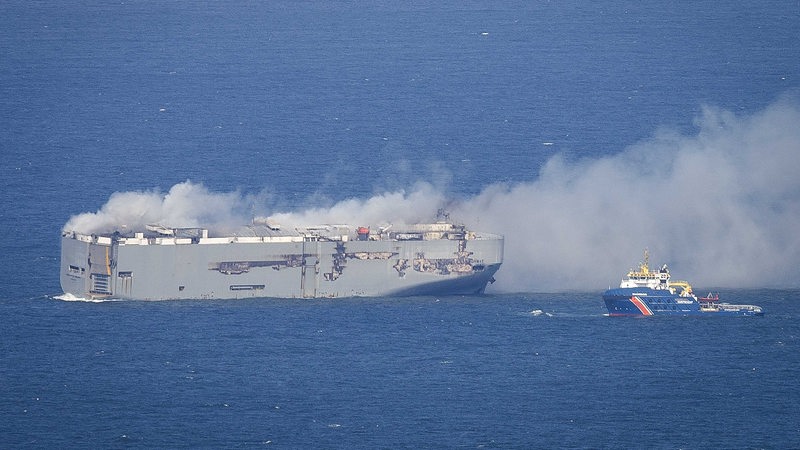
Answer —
(645, 266)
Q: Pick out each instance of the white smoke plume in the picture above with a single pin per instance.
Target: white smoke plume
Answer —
(186, 204)
(417, 206)
(189, 204)
(721, 207)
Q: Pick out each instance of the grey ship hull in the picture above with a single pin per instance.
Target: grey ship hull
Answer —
(155, 267)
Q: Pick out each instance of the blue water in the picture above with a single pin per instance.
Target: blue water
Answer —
(532, 370)
(311, 103)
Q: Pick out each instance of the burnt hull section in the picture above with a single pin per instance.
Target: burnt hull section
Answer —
(147, 268)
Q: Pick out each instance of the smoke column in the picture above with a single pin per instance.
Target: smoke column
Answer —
(721, 207)
(185, 205)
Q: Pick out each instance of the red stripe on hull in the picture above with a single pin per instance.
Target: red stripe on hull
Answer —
(641, 306)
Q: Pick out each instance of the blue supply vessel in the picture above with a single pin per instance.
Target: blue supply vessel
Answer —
(650, 293)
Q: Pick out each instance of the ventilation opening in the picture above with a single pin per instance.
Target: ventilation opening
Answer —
(247, 287)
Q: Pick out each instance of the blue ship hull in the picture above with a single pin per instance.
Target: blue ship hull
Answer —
(642, 301)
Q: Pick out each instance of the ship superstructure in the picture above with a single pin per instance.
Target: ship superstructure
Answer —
(265, 260)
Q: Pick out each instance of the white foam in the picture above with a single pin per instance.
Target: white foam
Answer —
(73, 298)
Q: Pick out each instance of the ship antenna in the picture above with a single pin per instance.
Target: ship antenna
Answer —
(646, 264)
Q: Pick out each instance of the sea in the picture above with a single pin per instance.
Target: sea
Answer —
(527, 108)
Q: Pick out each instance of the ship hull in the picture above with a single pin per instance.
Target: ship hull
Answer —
(163, 269)
(656, 302)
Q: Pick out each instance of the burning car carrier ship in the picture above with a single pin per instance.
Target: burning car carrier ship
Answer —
(263, 260)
